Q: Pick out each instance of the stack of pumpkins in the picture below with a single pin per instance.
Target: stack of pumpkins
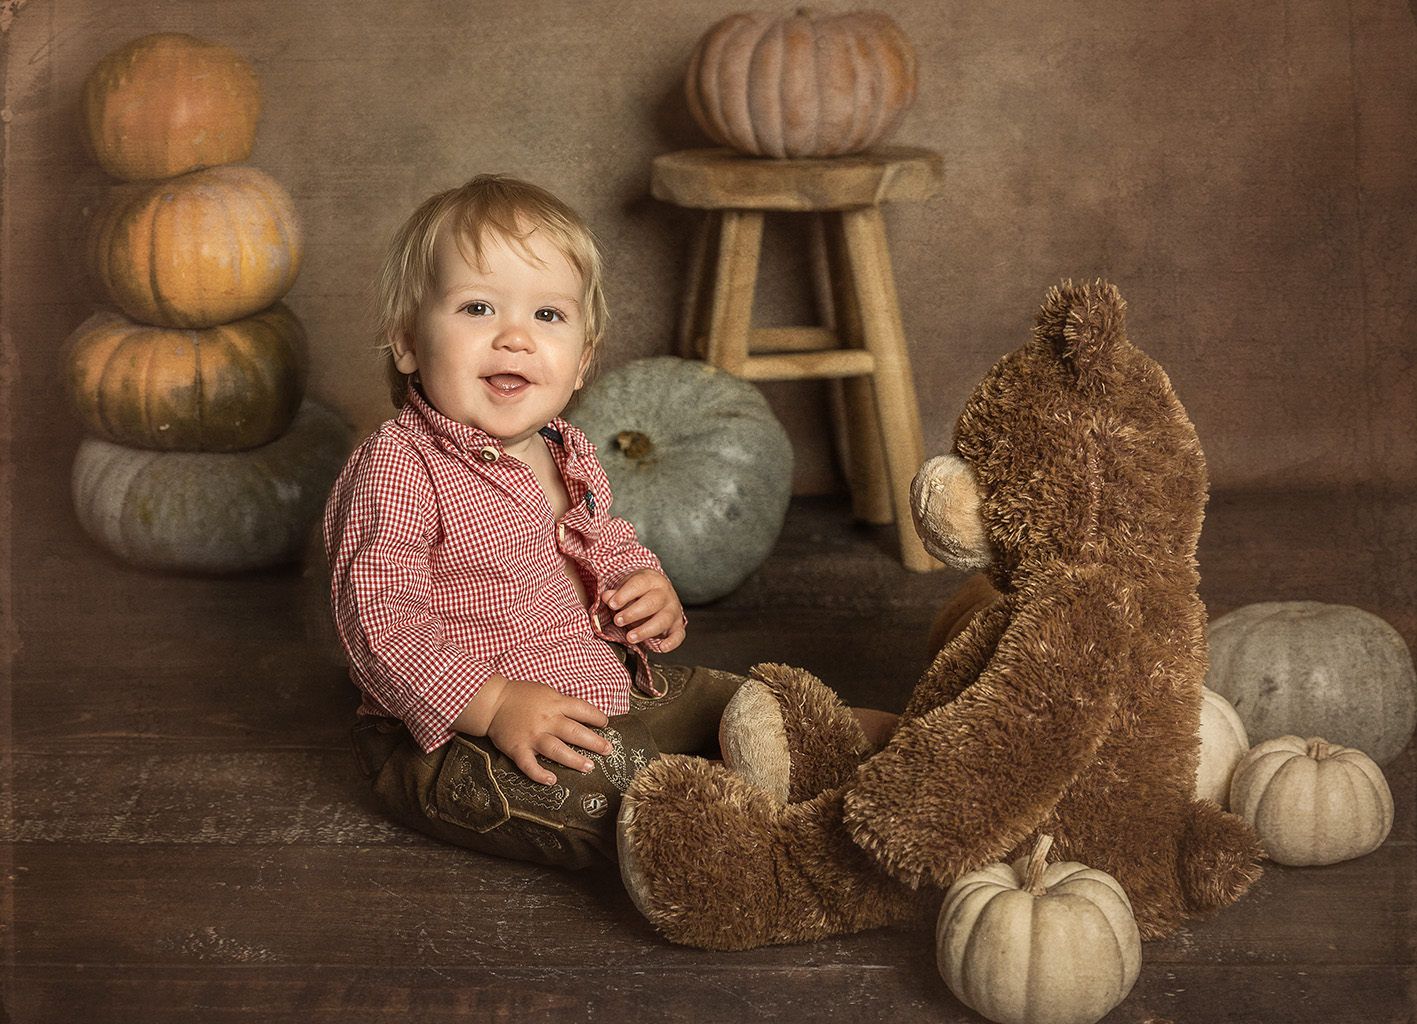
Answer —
(203, 454)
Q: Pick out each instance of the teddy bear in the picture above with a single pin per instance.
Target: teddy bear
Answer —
(1068, 706)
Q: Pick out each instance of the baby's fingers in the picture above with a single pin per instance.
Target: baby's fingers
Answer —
(664, 623)
(563, 753)
(532, 768)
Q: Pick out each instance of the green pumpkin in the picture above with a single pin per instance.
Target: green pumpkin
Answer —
(211, 512)
(1305, 668)
(698, 464)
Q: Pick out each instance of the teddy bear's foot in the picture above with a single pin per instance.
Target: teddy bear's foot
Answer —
(1218, 858)
(753, 739)
(713, 861)
(791, 735)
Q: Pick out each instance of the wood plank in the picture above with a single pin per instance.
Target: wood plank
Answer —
(417, 904)
(152, 902)
(704, 993)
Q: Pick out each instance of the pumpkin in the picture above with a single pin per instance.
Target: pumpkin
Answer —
(1223, 742)
(168, 103)
(803, 86)
(697, 463)
(1312, 802)
(1307, 668)
(1038, 943)
(220, 388)
(210, 512)
(198, 250)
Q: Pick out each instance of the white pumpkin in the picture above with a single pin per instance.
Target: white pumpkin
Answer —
(697, 463)
(1223, 742)
(1033, 944)
(1312, 802)
(1308, 668)
(212, 512)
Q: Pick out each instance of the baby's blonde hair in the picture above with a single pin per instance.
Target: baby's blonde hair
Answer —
(489, 202)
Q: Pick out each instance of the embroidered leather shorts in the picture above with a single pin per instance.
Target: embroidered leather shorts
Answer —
(469, 793)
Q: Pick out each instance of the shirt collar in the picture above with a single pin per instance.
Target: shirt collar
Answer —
(419, 415)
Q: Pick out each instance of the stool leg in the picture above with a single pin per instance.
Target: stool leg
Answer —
(692, 328)
(863, 457)
(896, 407)
(740, 240)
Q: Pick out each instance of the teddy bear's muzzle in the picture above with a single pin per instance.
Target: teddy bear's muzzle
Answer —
(946, 503)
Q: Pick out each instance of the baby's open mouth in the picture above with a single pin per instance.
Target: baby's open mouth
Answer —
(507, 383)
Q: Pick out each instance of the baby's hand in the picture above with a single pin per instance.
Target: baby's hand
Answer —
(531, 718)
(647, 605)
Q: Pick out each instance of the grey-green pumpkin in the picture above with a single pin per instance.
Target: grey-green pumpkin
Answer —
(210, 512)
(1306, 668)
(698, 464)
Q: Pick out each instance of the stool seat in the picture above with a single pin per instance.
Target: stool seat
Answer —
(722, 179)
(862, 344)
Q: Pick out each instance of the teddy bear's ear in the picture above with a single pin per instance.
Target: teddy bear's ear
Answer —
(1084, 325)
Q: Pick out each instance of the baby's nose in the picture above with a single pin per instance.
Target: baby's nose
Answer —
(516, 336)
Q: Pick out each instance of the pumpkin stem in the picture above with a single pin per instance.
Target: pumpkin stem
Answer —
(1320, 749)
(634, 444)
(1037, 861)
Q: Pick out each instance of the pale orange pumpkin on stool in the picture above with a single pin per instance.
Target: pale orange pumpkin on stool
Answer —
(803, 86)
(198, 250)
(168, 103)
(223, 388)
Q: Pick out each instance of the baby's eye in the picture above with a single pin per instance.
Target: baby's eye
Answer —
(550, 315)
(477, 309)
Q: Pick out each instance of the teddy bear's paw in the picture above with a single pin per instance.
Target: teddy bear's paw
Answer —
(792, 735)
(753, 738)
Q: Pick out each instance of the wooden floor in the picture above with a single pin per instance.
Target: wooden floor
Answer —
(188, 839)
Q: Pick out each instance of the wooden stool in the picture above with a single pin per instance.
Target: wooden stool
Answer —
(864, 345)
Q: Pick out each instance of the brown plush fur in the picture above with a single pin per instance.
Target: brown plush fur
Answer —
(1068, 706)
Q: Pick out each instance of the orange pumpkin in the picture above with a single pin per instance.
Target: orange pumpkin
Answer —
(804, 86)
(169, 103)
(198, 250)
(218, 389)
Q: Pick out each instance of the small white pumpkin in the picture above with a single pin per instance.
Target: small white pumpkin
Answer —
(1223, 742)
(1038, 943)
(210, 512)
(1312, 802)
(697, 463)
(1304, 668)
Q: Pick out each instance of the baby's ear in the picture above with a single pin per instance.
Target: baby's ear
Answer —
(587, 360)
(401, 347)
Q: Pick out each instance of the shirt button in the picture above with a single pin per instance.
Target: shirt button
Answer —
(488, 453)
(561, 532)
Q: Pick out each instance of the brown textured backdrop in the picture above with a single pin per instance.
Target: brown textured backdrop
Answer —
(1243, 172)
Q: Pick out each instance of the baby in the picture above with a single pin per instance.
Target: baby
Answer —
(497, 619)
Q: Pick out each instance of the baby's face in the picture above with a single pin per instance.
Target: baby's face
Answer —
(501, 347)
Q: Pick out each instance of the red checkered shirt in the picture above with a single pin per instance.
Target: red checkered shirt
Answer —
(445, 561)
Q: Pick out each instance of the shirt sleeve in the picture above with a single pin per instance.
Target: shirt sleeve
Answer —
(616, 554)
(379, 528)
